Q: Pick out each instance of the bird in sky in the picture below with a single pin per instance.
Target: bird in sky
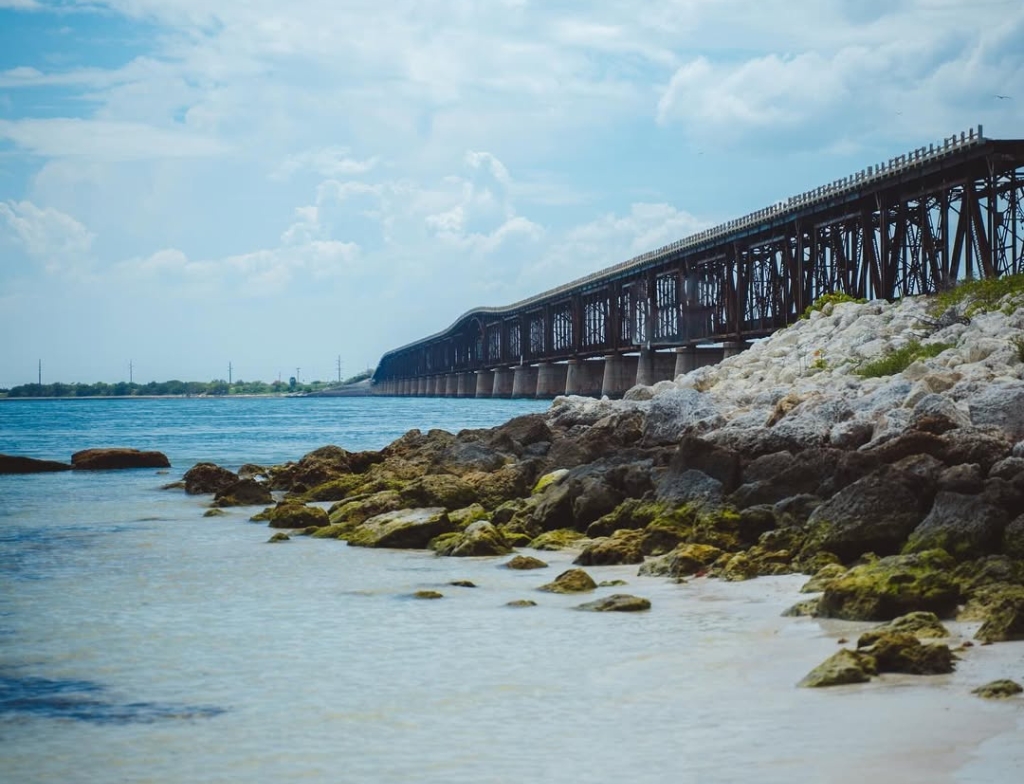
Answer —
(1003, 97)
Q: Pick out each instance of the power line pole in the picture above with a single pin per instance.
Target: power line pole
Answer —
(229, 374)
(339, 368)
(131, 373)
(40, 374)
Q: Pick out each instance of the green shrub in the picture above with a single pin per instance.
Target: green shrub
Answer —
(1017, 341)
(833, 298)
(972, 297)
(899, 360)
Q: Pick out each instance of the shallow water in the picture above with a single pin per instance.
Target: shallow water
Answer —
(140, 641)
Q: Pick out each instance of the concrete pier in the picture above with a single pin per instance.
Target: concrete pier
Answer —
(524, 381)
(467, 385)
(584, 377)
(451, 385)
(551, 380)
(619, 375)
(732, 348)
(484, 383)
(421, 386)
(654, 366)
(503, 379)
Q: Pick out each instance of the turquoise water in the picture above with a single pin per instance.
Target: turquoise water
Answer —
(140, 641)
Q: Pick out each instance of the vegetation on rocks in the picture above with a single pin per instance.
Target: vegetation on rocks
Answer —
(981, 295)
(898, 360)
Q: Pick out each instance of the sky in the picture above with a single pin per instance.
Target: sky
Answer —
(287, 187)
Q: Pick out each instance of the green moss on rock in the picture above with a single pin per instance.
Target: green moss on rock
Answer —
(841, 668)
(560, 539)
(571, 581)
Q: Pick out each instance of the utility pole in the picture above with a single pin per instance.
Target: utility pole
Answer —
(297, 379)
(40, 374)
(339, 368)
(229, 374)
(131, 373)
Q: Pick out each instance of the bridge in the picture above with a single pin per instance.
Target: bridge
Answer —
(907, 226)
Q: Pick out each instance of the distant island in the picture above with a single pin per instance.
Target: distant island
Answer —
(175, 388)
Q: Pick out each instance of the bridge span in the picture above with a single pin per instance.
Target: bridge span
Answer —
(906, 226)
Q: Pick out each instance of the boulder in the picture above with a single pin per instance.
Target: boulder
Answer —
(998, 690)
(445, 490)
(674, 413)
(428, 595)
(617, 602)
(689, 486)
(479, 539)
(823, 577)
(903, 652)
(889, 587)
(117, 458)
(320, 466)
(15, 464)
(571, 581)
(402, 529)
(278, 538)
(244, 492)
(358, 510)
(208, 478)
(1000, 405)
(524, 562)
(1013, 538)
(683, 561)
(622, 547)
(966, 526)
(1003, 614)
(294, 515)
(841, 668)
(559, 539)
(521, 603)
(920, 624)
(874, 514)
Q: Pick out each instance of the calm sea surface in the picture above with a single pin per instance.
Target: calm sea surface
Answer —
(142, 642)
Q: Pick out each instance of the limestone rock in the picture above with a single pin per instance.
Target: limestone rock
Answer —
(841, 668)
(683, 561)
(479, 539)
(922, 625)
(295, 515)
(903, 652)
(966, 526)
(622, 547)
(998, 690)
(244, 492)
(1001, 405)
(403, 529)
(524, 562)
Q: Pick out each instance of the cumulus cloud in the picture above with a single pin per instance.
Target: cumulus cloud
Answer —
(326, 162)
(48, 236)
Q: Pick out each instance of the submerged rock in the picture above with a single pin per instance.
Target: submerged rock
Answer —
(617, 602)
(208, 478)
(571, 581)
(295, 515)
(279, 537)
(244, 492)
(15, 464)
(525, 562)
(999, 690)
(117, 458)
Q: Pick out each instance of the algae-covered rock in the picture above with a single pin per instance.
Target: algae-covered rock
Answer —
(340, 488)
(479, 539)
(683, 561)
(805, 609)
(524, 562)
(670, 528)
(444, 490)
(966, 526)
(617, 602)
(903, 652)
(923, 625)
(823, 577)
(358, 510)
(462, 518)
(632, 513)
(550, 478)
(208, 478)
(521, 603)
(428, 595)
(622, 547)
(892, 586)
(740, 567)
(1003, 614)
(998, 690)
(462, 583)
(571, 581)
(294, 515)
(405, 528)
(113, 458)
(244, 492)
(279, 537)
(215, 512)
(842, 667)
(559, 539)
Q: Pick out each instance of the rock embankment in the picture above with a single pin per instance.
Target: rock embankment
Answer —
(876, 447)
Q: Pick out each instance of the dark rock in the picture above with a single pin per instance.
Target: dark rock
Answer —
(974, 446)
(964, 478)
(1000, 405)
(521, 603)
(755, 521)
(683, 561)
(208, 478)
(617, 602)
(1013, 538)
(890, 587)
(920, 624)
(279, 537)
(690, 486)
(596, 498)
(14, 464)
(717, 462)
(903, 652)
(428, 595)
(320, 466)
(571, 581)
(244, 492)
(874, 514)
(445, 490)
(214, 513)
(1004, 616)
(463, 583)
(966, 526)
(1008, 468)
(117, 458)
(796, 510)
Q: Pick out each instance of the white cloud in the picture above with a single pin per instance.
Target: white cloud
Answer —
(49, 236)
(107, 141)
(326, 162)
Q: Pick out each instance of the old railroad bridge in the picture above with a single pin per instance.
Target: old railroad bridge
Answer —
(906, 226)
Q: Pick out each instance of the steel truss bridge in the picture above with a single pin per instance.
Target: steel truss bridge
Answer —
(907, 226)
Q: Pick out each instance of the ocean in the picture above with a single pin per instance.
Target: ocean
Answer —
(143, 642)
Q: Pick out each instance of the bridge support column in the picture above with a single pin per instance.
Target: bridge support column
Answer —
(467, 385)
(686, 360)
(421, 386)
(584, 377)
(503, 378)
(732, 348)
(432, 383)
(524, 381)
(451, 385)
(619, 375)
(551, 380)
(653, 367)
(484, 383)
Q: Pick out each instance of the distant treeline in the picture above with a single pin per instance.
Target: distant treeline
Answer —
(219, 387)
